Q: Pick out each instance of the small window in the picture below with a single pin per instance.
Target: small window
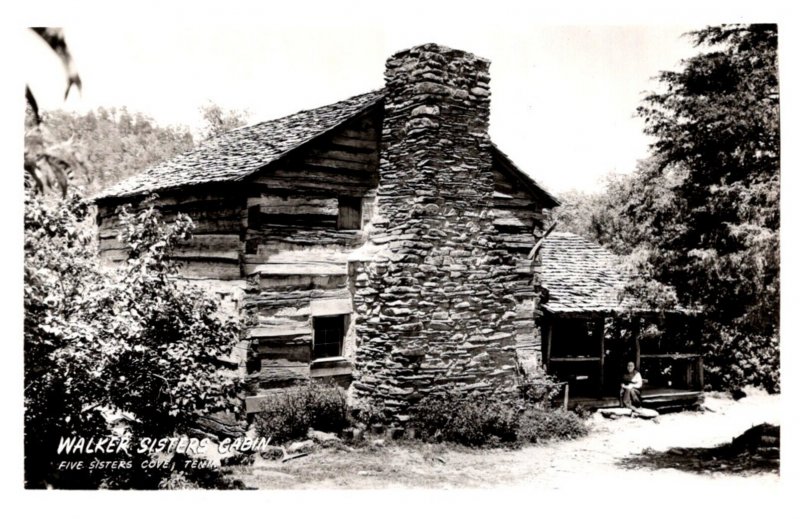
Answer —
(349, 213)
(254, 216)
(328, 336)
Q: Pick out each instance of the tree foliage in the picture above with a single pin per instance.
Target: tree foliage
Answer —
(217, 120)
(107, 145)
(48, 164)
(718, 120)
(702, 213)
(133, 341)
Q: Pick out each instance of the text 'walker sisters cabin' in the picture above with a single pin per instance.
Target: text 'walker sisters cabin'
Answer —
(381, 241)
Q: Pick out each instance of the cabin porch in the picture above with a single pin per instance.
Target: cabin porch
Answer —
(588, 353)
(660, 398)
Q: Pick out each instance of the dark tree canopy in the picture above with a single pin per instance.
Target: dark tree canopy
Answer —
(702, 212)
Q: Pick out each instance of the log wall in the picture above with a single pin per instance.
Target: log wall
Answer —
(460, 232)
(517, 217)
(295, 256)
(213, 251)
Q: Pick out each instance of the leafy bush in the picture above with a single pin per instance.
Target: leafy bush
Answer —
(289, 414)
(132, 339)
(539, 389)
(739, 358)
(536, 425)
(486, 421)
(465, 419)
(369, 413)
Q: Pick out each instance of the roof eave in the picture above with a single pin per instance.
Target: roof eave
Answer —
(301, 146)
(533, 187)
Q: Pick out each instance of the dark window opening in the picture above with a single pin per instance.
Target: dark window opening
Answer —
(349, 213)
(328, 336)
(251, 245)
(254, 216)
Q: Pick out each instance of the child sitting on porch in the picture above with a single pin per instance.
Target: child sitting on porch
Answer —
(630, 395)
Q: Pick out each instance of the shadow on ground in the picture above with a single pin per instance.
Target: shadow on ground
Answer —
(757, 450)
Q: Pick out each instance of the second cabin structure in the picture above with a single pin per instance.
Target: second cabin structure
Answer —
(591, 329)
(381, 240)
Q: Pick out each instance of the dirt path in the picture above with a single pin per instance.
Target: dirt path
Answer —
(594, 461)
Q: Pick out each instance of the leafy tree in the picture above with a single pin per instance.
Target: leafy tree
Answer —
(112, 143)
(48, 165)
(630, 210)
(702, 213)
(216, 120)
(718, 121)
(100, 341)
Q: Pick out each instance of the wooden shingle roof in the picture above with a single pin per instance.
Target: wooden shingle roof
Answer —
(581, 277)
(238, 153)
(235, 154)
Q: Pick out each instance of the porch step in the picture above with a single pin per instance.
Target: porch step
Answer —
(654, 399)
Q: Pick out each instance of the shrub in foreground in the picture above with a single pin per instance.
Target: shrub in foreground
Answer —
(537, 425)
(289, 414)
(466, 419)
(130, 339)
(485, 421)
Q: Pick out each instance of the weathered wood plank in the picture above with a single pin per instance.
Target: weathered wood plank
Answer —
(210, 243)
(511, 202)
(220, 246)
(299, 269)
(280, 371)
(281, 255)
(325, 177)
(210, 225)
(369, 134)
(275, 237)
(295, 205)
(207, 269)
(368, 145)
(293, 352)
(369, 159)
(513, 222)
(333, 371)
(286, 331)
(294, 282)
(331, 307)
(339, 164)
(289, 187)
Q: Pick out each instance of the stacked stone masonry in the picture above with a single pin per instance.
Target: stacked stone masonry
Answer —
(437, 304)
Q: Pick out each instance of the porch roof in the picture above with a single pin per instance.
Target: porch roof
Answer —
(583, 279)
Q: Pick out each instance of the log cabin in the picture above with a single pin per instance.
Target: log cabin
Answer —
(380, 241)
(591, 328)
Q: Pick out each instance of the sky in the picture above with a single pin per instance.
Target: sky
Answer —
(563, 97)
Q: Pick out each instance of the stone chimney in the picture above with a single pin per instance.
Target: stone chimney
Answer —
(433, 306)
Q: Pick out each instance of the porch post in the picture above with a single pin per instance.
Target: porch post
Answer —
(548, 339)
(600, 330)
(698, 348)
(637, 328)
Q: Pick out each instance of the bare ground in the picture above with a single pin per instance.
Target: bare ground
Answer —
(628, 453)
